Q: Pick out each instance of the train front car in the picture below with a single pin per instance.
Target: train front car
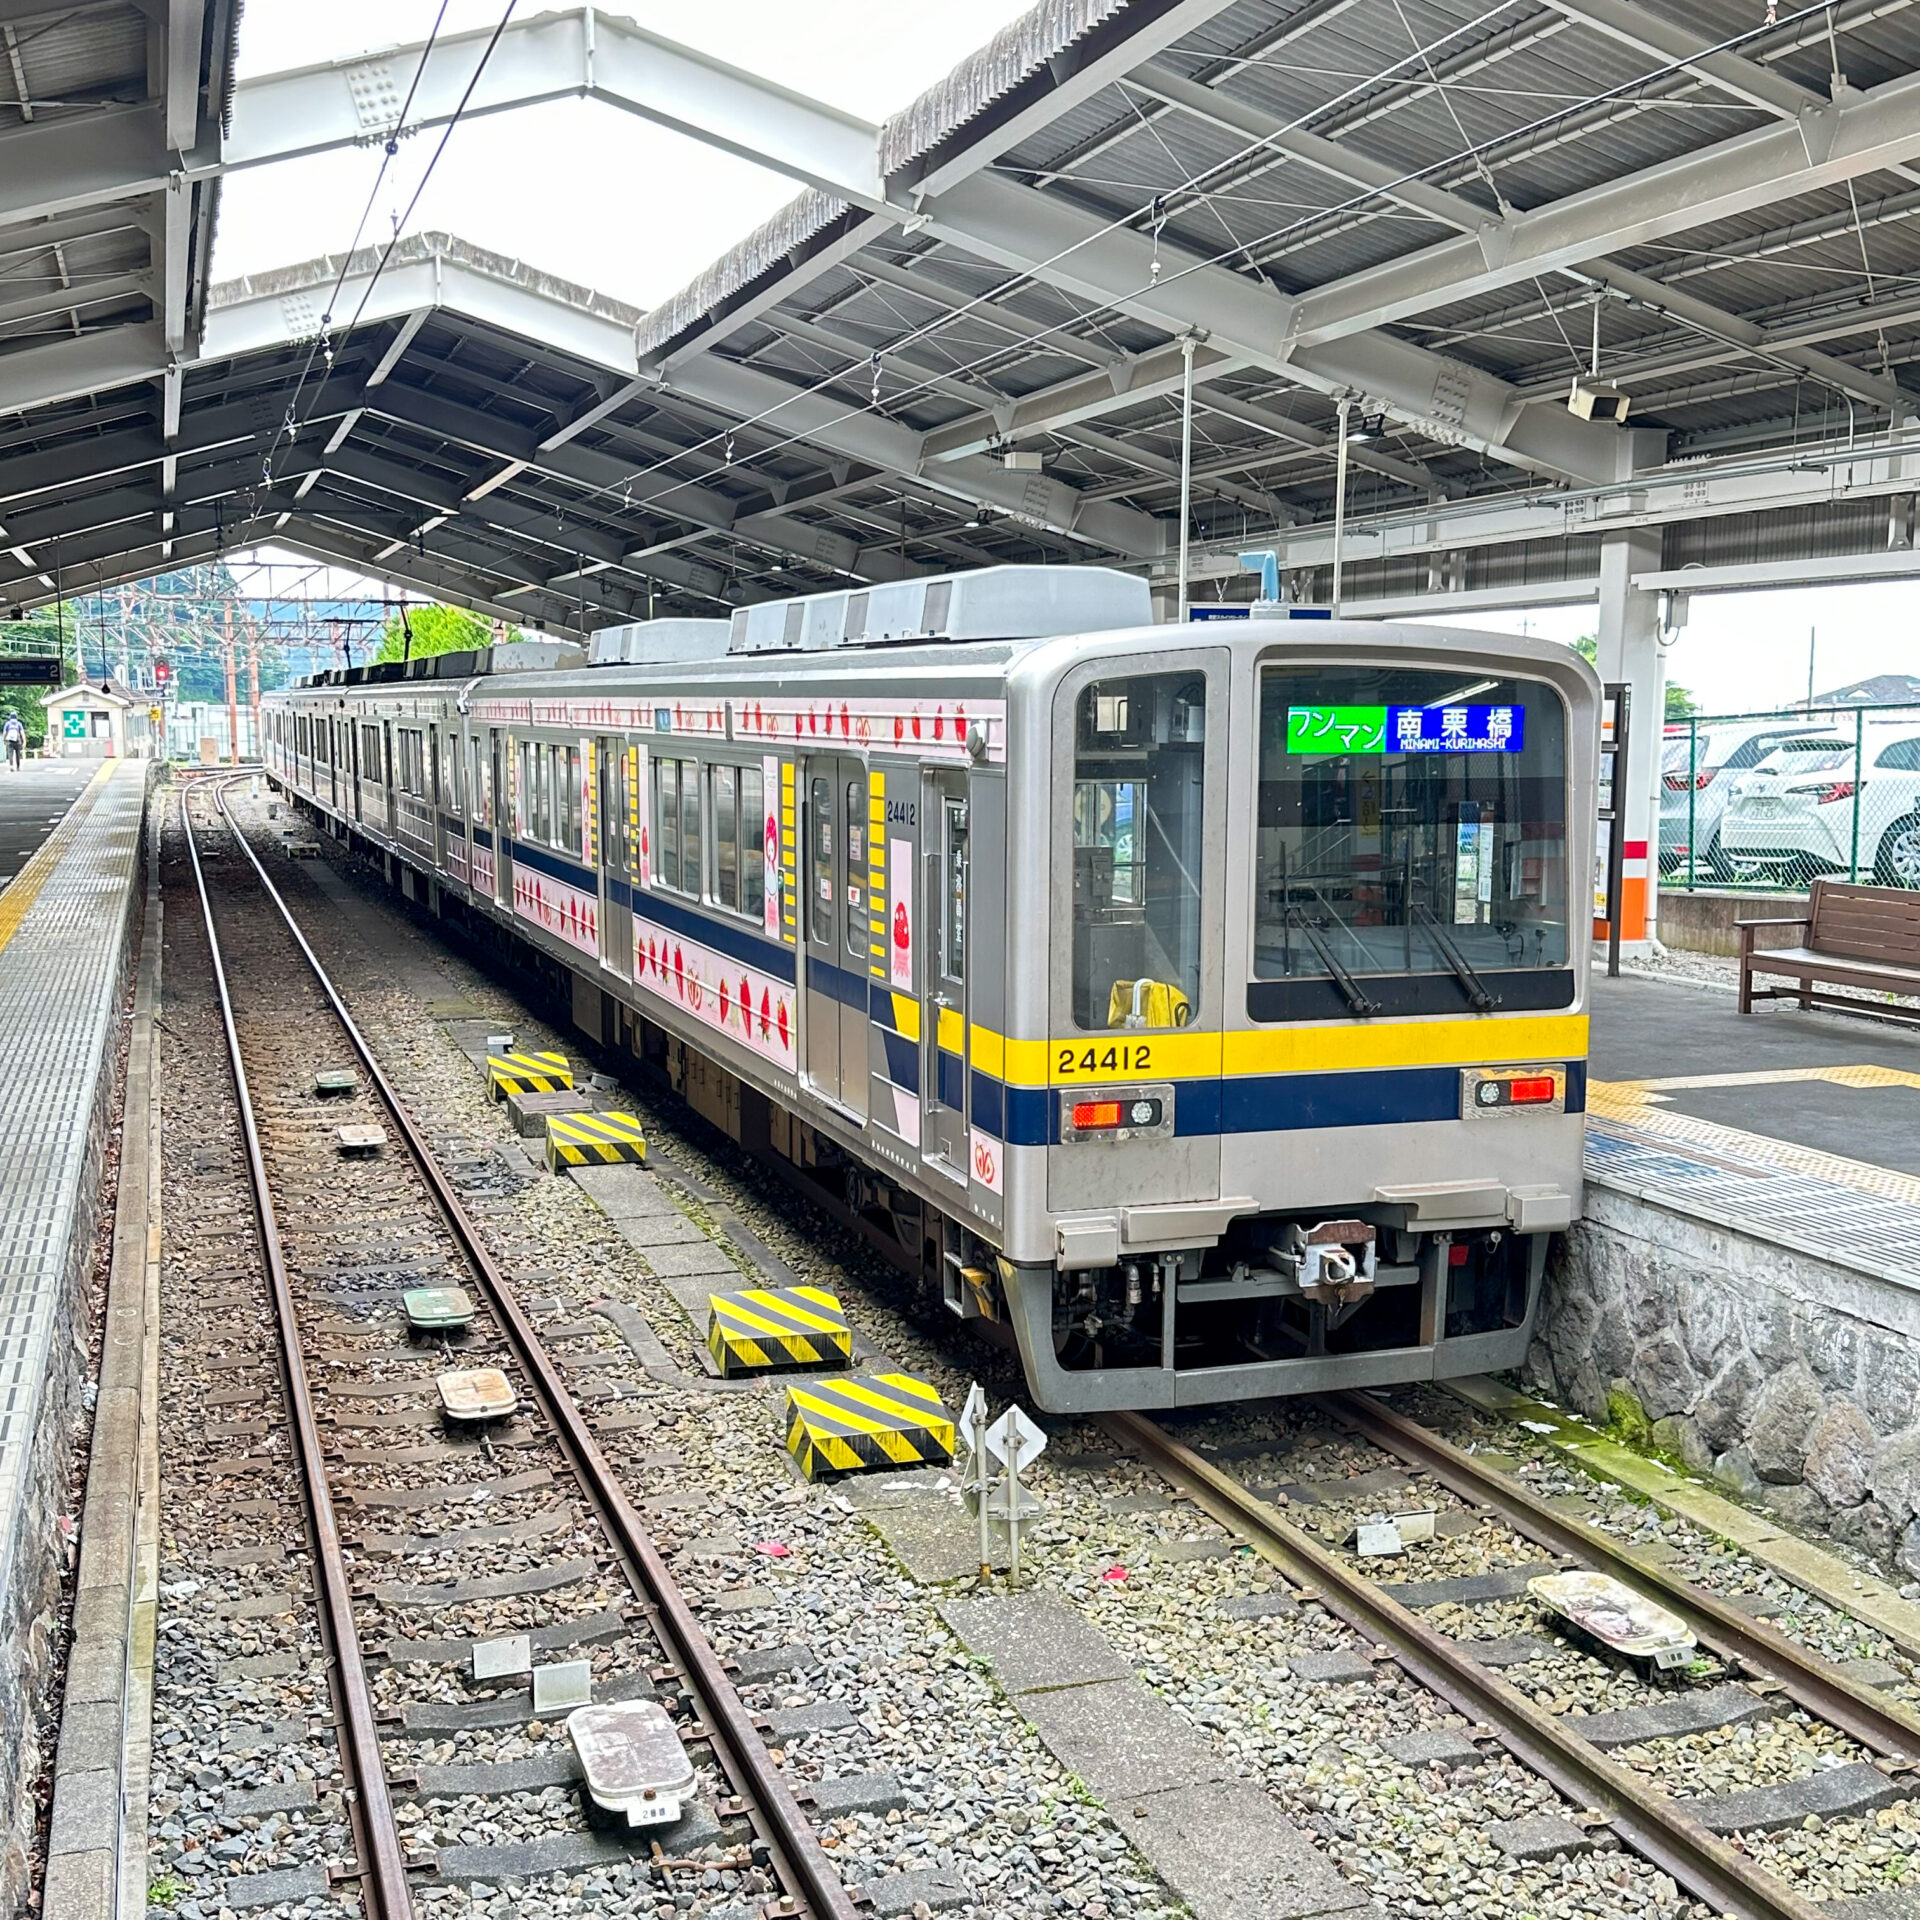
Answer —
(1304, 917)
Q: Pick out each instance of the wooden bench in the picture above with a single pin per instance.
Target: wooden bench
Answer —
(1867, 937)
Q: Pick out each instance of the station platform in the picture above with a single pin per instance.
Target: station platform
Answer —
(66, 936)
(33, 802)
(1802, 1128)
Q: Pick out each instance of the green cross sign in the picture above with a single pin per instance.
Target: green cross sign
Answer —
(73, 725)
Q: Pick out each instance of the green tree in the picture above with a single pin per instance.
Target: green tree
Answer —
(435, 630)
(1681, 705)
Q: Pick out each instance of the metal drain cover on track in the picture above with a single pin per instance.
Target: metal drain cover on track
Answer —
(437, 1309)
(635, 1767)
(329, 1081)
(477, 1393)
(360, 1140)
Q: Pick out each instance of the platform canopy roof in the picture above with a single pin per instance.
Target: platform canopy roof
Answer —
(1430, 209)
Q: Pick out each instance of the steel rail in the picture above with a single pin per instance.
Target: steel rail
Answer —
(1885, 1725)
(1655, 1827)
(383, 1856)
(800, 1865)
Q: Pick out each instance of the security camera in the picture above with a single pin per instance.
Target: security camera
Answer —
(1595, 400)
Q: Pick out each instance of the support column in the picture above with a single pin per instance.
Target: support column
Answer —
(1630, 651)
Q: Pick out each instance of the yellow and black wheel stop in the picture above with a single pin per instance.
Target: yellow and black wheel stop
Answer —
(594, 1140)
(864, 1421)
(783, 1327)
(528, 1073)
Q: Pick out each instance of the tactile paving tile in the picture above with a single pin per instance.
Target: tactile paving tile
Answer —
(1847, 1211)
(58, 974)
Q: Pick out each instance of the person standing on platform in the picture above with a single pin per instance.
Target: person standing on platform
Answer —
(15, 736)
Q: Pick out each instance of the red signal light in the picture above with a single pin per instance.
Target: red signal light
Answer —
(1091, 1115)
(1532, 1090)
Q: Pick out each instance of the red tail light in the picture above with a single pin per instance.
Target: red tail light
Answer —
(1679, 782)
(1531, 1091)
(1832, 791)
(1092, 1114)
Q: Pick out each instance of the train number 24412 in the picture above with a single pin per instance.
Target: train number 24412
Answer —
(1122, 1057)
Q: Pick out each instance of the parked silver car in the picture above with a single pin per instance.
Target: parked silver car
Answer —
(1698, 771)
(1806, 809)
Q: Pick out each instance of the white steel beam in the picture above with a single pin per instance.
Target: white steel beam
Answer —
(1437, 203)
(185, 24)
(1047, 235)
(580, 53)
(246, 317)
(858, 434)
(62, 164)
(1862, 133)
(1064, 79)
(1665, 40)
(87, 364)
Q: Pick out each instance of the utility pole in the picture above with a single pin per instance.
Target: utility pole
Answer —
(253, 683)
(233, 702)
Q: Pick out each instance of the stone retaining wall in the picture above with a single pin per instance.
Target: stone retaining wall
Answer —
(1792, 1380)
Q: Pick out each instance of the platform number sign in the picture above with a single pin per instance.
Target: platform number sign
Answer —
(73, 726)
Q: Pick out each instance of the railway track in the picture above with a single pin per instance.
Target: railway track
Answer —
(1656, 1825)
(283, 1019)
(1721, 1869)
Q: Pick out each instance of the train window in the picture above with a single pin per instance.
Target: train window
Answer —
(523, 787)
(678, 824)
(857, 934)
(370, 753)
(1411, 822)
(1138, 822)
(564, 815)
(753, 852)
(480, 775)
(690, 868)
(820, 858)
(726, 837)
(953, 891)
(667, 813)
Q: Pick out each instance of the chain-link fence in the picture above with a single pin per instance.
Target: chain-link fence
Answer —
(1767, 802)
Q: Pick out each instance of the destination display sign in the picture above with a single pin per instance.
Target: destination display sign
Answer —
(1442, 729)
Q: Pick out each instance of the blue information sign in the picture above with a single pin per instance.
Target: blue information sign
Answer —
(1460, 729)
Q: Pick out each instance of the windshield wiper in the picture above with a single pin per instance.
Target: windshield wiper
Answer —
(1478, 997)
(1356, 995)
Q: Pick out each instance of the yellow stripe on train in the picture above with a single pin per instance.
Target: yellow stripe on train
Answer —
(1137, 1055)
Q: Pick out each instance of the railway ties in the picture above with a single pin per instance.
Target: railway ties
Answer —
(476, 1581)
(1697, 1838)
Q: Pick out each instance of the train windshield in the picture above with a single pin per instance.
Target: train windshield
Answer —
(1139, 781)
(1411, 853)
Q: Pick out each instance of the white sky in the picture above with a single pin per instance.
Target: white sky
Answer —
(630, 210)
(1741, 652)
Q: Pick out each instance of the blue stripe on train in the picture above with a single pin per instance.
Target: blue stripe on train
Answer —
(1274, 1103)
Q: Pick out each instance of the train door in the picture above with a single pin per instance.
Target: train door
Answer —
(943, 1026)
(616, 868)
(439, 798)
(839, 936)
(503, 820)
(333, 763)
(353, 749)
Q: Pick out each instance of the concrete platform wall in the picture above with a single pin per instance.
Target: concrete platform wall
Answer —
(1703, 921)
(68, 969)
(1794, 1380)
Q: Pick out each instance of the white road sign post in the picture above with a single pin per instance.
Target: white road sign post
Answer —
(1015, 1440)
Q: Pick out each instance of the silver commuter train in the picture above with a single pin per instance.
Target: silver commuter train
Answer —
(1202, 1009)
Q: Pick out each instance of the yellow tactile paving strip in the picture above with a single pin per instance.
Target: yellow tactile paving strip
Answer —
(25, 886)
(1639, 1105)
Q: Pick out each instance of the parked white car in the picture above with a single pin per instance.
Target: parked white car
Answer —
(1699, 769)
(1793, 816)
